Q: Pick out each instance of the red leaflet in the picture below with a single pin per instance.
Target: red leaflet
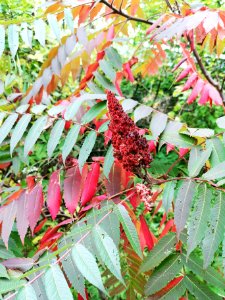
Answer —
(54, 196)
(147, 239)
(169, 286)
(204, 95)
(113, 185)
(83, 14)
(34, 205)
(30, 182)
(169, 225)
(191, 80)
(7, 216)
(110, 33)
(183, 152)
(215, 96)
(169, 147)
(183, 74)
(21, 216)
(73, 185)
(40, 225)
(196, 91)
(90, 185)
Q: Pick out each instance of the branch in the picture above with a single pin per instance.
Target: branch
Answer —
(123, 14)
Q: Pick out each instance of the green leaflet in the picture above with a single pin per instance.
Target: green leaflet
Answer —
(107, 68)
(158, 124)
(183, 204)
(142, 112)
(195, 264)
(216, 172)
(40, 31)
(221, 122)
(163, 274)
(110, 224)
(34, 134)
(160, 251)
(113, 55)
(198, 289)
(13, 39)
(197, 160)
(69, 19)
(7, 126)
(199, 217)
(26, 293)
(70, 141)
(215, 232)
(218, 151)
(87, 265)
(3, 272)
(86, 148)
(104, 82)
(55, 284)
(19, 130)
(53, 23)
(55, 136)
(172, 136)
(175, 292)
(72, 273)
(107, 251)
(10, 285)
(129, 104)
(108, 162)
(93, 112)
(168, 194)
(129, 228)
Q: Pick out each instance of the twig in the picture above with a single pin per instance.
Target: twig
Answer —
(125, 15)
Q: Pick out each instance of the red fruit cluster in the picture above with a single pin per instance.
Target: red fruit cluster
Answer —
(130, 148)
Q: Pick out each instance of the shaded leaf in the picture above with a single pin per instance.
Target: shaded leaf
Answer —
(19, 130)
(107, 251)
(87, 265)
(55, 284)
(86, 148)
(160, 251)
(158, 124)
(163, 274)
(55, 136)
(93, 112)
(198, 289)
(53, 23)
(26, 293)
(2, 39)
(70, 140)
(129, 228)
(7, 126)
(34, 134)
(168, 194)
(197, 160)
(199, 217)
(215, 232)
(183, 204)
(13, 39)
(108, 161)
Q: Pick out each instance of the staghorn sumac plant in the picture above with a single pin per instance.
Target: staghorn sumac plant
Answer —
(104, 196)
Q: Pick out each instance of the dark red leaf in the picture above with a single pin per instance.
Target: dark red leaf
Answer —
(21, 216)
(54, 195)
(73, 185)
(90, 185)
(34, 205)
